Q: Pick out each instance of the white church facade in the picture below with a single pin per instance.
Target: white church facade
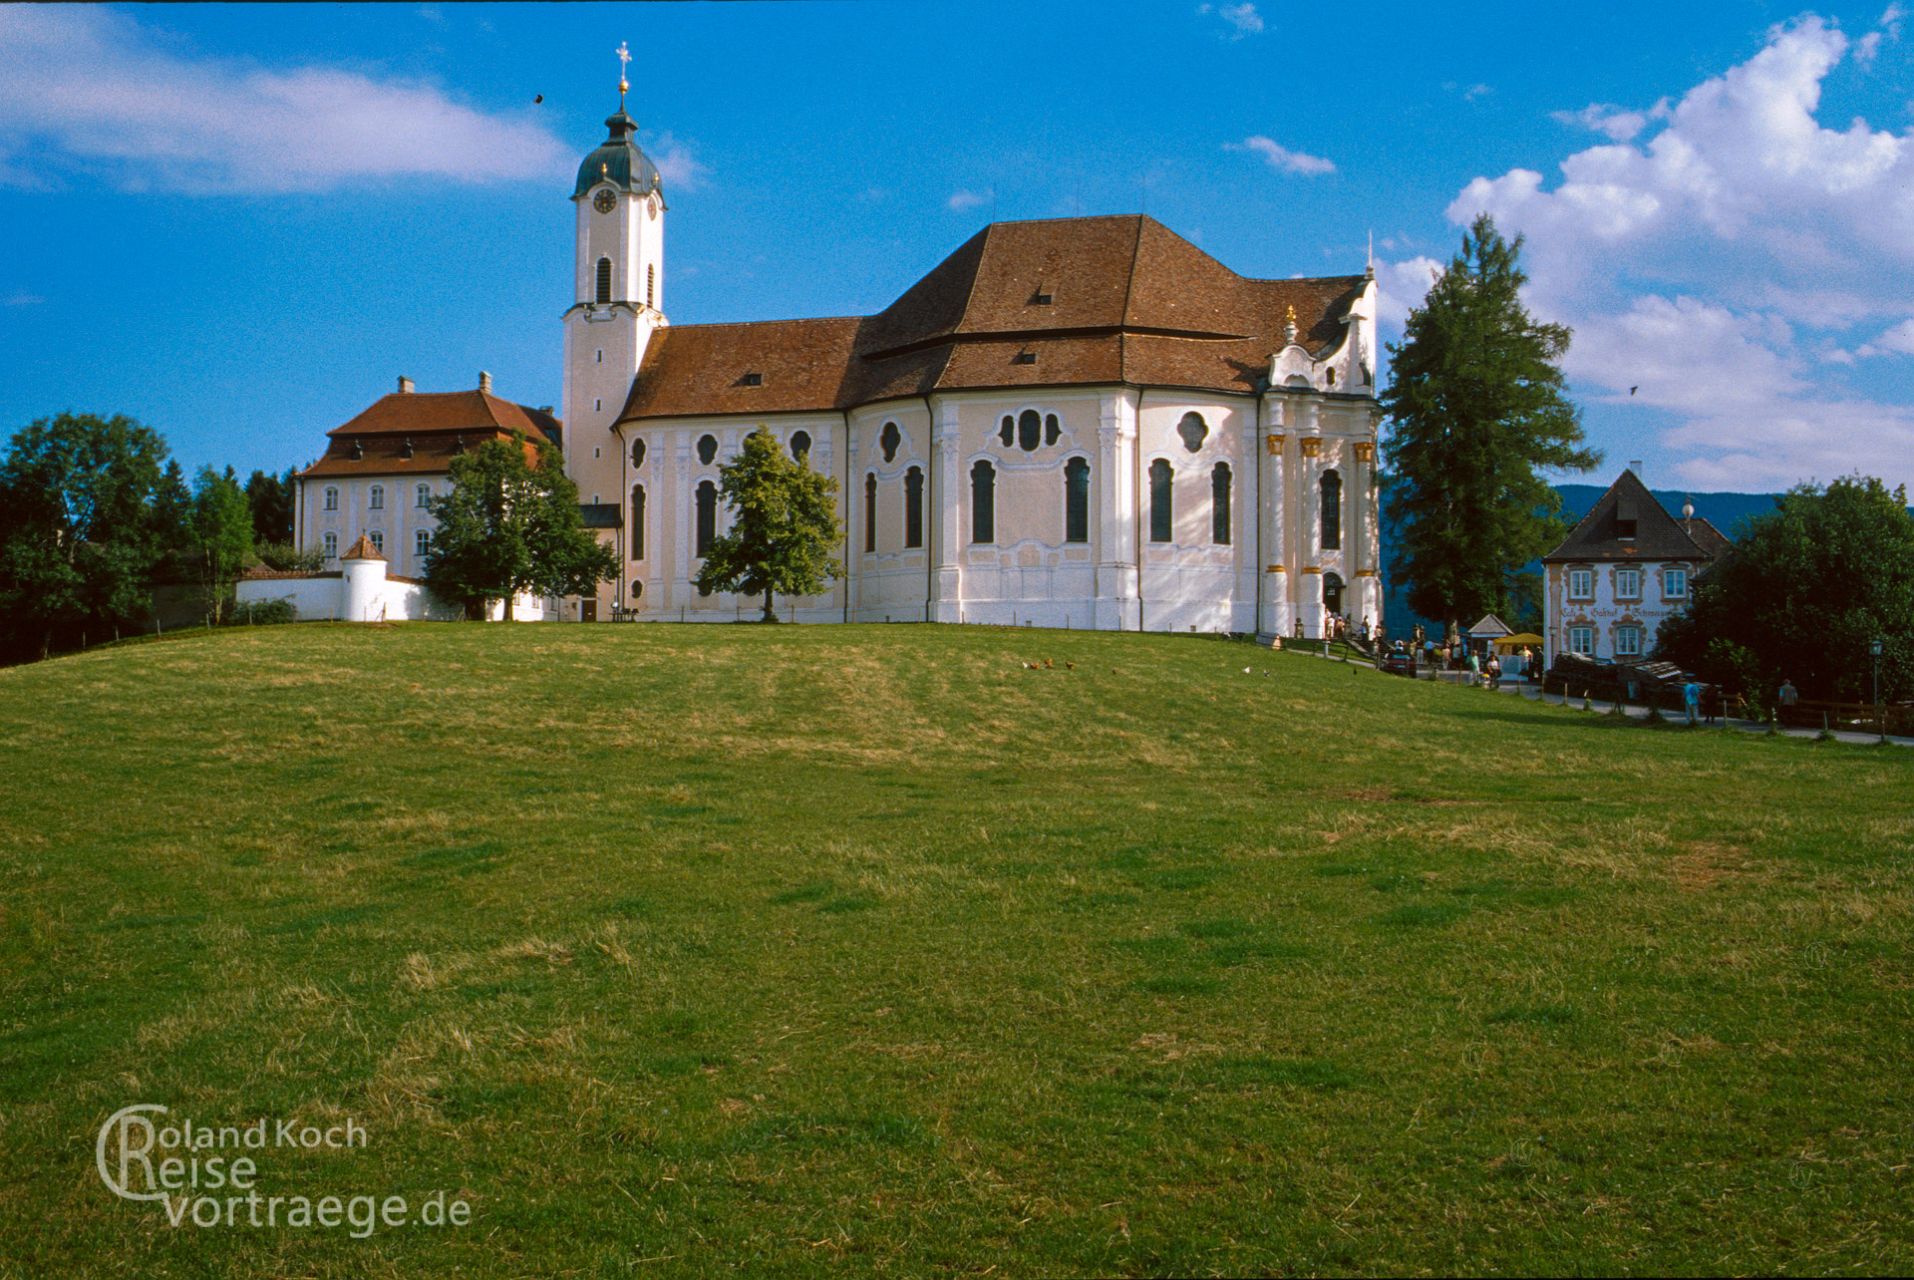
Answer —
(1082, 422)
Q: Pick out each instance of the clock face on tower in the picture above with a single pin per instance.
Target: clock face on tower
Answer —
(604, 200)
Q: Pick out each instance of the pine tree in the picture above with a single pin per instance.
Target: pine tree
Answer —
(783, 530)
(1477, 404)
(511, 524)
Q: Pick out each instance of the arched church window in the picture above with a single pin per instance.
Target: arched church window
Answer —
(637, 453)
(1219, 504)
(375, 497)
(1162, 523)
(1193, 430)
(422, 496)
(1332, 511)
(604, 280)
(707, 516)
(801, 445)
(983, 502)
(870, 512)
(1029, 430)
(888, 440)
(1007, 431)
(707, 449)
(1051, 428)
(637, 522)
(1076, 500)
(332, 498)
(914, 507)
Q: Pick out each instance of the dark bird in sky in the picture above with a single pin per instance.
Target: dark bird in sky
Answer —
(1633, 390)
(537, 98)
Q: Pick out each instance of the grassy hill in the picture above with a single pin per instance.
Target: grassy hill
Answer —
(678, 950)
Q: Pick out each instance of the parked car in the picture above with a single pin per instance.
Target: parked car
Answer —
(1399, 662)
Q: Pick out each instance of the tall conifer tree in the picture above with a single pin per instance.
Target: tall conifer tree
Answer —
(1477, 405)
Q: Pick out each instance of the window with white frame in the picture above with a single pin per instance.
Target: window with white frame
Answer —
(378, 541)
(1581, 584)
(1628, 642)
(1581, 640)
(1674, 584)
(421, 543)
(332, 498)
(1628, 584)
(421, 496)
(332, 546)
(375, 497)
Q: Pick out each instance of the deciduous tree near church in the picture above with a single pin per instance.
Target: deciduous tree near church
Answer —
(78, 541)
(783, 530)
(511, 524)
(219, 536)
(1806, 589)
(1477, 404)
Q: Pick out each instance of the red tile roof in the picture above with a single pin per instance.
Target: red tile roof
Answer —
(1129, 301)
(438, 426)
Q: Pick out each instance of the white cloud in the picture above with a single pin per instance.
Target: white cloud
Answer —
(1713, 252)
(1281, 158)
(1897, 341)
(676, 165)
(1242, 19)
(1402, 287)
(21, 299)
(1620, 124)
(94, 92)
(1891, 19)
(961, 200)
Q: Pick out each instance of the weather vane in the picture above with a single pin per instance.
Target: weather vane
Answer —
(624, 62)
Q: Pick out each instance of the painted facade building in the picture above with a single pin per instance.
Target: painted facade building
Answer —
(1622, 571)
(379, 469)
(1082, 422)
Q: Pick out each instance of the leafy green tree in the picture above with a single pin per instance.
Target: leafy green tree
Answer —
(783, 530)
(170, 520)
(1477, 403)
(1805, 590)
(221, 536)
(285, 557)
(511, 524)
(77, 537)
(270, 499)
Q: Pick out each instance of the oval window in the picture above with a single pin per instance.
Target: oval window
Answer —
(707, 449)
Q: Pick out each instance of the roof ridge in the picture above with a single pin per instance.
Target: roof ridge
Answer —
(976, 269)
(745, 324)
(1129, 285)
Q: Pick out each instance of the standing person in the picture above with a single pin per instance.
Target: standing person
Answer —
(1495, 672)
(1787, 696)
(1710, 702)
(1365, 629)
(1475, 668)
(1690, 699)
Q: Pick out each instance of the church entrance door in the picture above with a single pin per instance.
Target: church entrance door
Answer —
(588, 611)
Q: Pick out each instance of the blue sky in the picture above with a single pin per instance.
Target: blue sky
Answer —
(241, 223)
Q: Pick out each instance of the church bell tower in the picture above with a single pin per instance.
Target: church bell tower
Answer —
(617, 298)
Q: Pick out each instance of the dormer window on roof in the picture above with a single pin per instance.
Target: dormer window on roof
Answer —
(751, 380)
(1042, 297)
(1026, 356)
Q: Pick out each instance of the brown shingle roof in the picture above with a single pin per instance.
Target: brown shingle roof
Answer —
(363, 550)
(1129, 301)
(437, 426)
(1658, 535)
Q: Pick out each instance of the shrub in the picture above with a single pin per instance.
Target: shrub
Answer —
(262, 613)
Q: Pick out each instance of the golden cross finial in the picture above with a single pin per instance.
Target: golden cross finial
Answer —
(624, 63)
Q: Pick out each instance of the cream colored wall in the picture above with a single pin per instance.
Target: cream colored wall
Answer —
(1607, 611)
(399, 521)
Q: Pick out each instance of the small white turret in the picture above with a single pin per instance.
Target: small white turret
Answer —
(363, 568)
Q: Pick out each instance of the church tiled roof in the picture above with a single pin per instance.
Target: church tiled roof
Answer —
(412, 433)
(1656, 535)
(1058, 302)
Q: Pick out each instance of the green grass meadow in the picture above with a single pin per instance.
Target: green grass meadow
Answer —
(847, 950)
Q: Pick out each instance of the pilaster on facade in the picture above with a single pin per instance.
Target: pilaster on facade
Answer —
(948, 538)
(1118, 576)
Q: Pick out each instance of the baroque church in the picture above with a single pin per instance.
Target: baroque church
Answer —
(1075, 422)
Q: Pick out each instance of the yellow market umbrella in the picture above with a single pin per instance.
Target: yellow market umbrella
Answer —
(1509, 644)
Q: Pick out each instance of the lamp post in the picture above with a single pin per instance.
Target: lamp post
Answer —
(1880, 719)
